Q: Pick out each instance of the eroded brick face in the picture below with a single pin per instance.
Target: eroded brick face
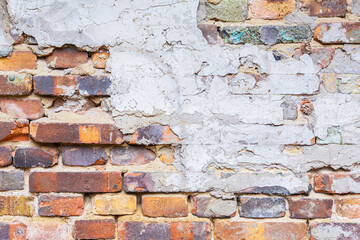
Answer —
(94, 229)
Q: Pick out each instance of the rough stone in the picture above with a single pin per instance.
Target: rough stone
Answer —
(227, 10)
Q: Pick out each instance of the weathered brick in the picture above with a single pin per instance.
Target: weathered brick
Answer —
(22, 108)
(27, 157)
(211, 207)
(81, 182)
(14, 131)
(209, 32)
(326, 8)
(269, 34)
(322, 56)
(339, 183)
(44, 131)
(166, 230)
(13, 180)
(12, 231)
(154, 134)
(131, 155)
(94, 229)
(341, 83)
(163, 206)
(267, 9)
(337, 32)
(336, 231)
(310, 208)
(45, 230)
(18, 60)
(114, 204)
(16, 206)
(5, 156)
(306, 107)
(260, 230)
(66, 58)
(227, 10)
(15, 85)
(63, 206)
(251, 207)
(70, 85)
(348, 207)
(99, 58)
(83, 156)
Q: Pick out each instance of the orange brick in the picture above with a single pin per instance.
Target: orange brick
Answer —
(63, 206)
(14, 131)
(269, 9)
(162, 206)
(114, 204)
(66, 58)
(18, 60)
(348, 207)
(94, 229)
(22, 108)
(99, 58)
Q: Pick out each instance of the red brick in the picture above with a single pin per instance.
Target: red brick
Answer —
(12, 231)
(81, 182)
(60, 132)
(99, 58)
(131, 155)
(129, 230)
(163, 206)
(338, 32)
(27, 157)
(154, 134)
(339, 183)
(269, 9)
(22, 108)
(94, 229)
(63, 206)
(334, 230)
(307, 208)
(5, 156)
(18, 60)
(348, 207)
(15, 85)
(326, 8)
(46, 230)
(14, 131)
(66, 58)
(260, 230)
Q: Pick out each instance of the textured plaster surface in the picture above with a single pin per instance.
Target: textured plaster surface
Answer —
(163, 71)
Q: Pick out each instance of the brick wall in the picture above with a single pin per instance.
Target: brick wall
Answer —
(245, 129)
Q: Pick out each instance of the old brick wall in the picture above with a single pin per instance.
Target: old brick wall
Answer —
(180, 119)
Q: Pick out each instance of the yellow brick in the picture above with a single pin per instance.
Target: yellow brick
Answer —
(114, 205)
(16, 206)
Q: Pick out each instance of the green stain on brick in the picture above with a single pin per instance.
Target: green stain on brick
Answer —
(333, 137)
(227, 10)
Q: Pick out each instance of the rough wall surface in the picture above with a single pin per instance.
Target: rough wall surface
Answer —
(179, 119)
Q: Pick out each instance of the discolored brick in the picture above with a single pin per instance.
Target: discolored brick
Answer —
(16, 206)
(15, 85)
(27, 157)
(337, 32)
(334, 230)
(154, 134)
(22, 108)
(45, 131)
(94, 229)
(12, 231)
(227, 10)
(81, 182)
(18, 60)
(306, 107)
(99, 58)
(66, 58)
(114, 204)
(163, 206)
(348, 207)
(337, 183)
(271, 207)
(211, 207)
(83, 156)
(260, 230)
(45, 230)
(310, 208)
(93, 85)
(326, 8)
(5, 156)
(322, 56)
(129, 230)
(209, 32)
(131, 155)
(268, 9)
(13, 180)
(14, 131)
(63, 206)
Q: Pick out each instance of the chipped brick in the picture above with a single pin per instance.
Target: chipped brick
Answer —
(337, 32)
(211, 207)
(131, 155)
(99, 58)
(27, 157)
(14, 131)
(83, 156)
(63, 206)
(66, 58)
(337, 183)
(338, 231)
(209, 32)
(163, 206)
